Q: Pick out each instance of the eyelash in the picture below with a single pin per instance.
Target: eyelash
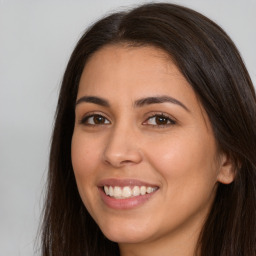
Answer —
(166, 118)
(85, 119)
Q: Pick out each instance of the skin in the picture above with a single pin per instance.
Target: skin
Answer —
(180, 156)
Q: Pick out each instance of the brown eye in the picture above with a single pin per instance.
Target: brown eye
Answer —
(98, 119)
(95, 120)
(159, 120)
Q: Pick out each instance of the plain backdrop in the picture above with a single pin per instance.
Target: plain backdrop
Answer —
(36, 40)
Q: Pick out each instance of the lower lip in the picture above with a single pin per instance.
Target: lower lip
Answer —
(127, 203)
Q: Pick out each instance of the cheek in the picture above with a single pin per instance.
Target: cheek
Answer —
(85, 158)
(189, 175)
(185, 162)
(84, 154)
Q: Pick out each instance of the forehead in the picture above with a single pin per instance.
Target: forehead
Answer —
(122, 67)
(119, 51)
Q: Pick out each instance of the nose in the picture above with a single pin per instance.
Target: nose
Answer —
(122, 148)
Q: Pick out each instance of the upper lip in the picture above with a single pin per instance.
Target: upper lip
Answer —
(124, 182)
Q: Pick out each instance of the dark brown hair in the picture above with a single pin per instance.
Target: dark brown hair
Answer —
(210, 62)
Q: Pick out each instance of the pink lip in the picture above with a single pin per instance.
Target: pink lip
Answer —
(127, 203)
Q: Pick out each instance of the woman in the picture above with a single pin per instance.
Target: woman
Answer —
(153, 150)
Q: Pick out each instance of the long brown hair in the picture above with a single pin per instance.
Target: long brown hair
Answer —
(212, 65)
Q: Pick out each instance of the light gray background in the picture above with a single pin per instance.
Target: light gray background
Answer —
(36, 39)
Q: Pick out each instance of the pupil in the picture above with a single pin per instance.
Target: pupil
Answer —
(98, 120)
(161, 120)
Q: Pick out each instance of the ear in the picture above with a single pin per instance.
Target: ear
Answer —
(227, 171)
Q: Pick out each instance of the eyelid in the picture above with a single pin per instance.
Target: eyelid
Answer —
(172, 120)
(91, 114)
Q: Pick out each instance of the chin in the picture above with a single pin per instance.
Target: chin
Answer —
(128, 234)
(126, 238)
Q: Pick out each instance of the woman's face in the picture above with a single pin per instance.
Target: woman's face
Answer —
(141, 134)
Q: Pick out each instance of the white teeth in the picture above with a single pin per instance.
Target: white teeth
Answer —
(117, 192)
(149, 190)
(136, 191)
(143, 190)
(126, 192)
(110, 191)
(106, 190)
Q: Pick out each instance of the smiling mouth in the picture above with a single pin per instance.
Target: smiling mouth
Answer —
(128, 192)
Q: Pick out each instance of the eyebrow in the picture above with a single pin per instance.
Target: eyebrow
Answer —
(159, 99)
(95, 100)
(138, 103)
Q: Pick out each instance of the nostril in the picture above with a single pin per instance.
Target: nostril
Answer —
(126, 162)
